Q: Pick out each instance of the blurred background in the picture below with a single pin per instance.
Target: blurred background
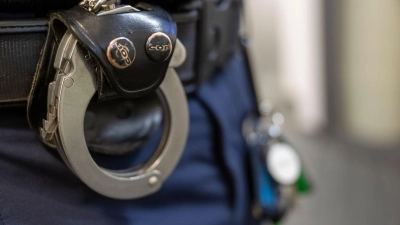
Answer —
(333, 68)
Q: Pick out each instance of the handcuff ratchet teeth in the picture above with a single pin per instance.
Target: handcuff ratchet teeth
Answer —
(68, 97)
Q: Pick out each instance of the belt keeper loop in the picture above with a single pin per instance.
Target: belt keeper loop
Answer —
(218, 39)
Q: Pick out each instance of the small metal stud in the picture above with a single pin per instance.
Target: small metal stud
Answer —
(153, 180)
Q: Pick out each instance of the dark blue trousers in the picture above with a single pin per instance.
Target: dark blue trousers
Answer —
(209, 186)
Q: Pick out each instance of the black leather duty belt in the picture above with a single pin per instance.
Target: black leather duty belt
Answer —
(208, 29)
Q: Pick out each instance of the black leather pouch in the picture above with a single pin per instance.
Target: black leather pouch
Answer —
(119, 46)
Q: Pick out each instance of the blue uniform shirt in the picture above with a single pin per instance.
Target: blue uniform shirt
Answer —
(209, 186)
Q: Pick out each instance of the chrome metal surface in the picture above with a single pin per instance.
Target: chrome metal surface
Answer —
(106, 7)
(69, 95)
(92, 5)
(118, 10)
(179, 55)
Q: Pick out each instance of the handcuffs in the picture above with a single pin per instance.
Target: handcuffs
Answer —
(75, 85)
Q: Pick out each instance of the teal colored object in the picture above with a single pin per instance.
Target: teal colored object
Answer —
(268, 197)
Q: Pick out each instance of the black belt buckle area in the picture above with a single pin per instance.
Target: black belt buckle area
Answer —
(213, 38)
(218, 27)
(208, 30)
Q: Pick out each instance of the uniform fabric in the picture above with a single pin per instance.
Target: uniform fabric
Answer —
(209, 185)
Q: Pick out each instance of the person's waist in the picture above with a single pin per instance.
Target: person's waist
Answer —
(208, 30)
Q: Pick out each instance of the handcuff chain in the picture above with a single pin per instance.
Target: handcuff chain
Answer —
(97, 5)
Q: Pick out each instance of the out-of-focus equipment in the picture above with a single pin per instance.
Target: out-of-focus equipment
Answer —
(278, 174)
(276, 167)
